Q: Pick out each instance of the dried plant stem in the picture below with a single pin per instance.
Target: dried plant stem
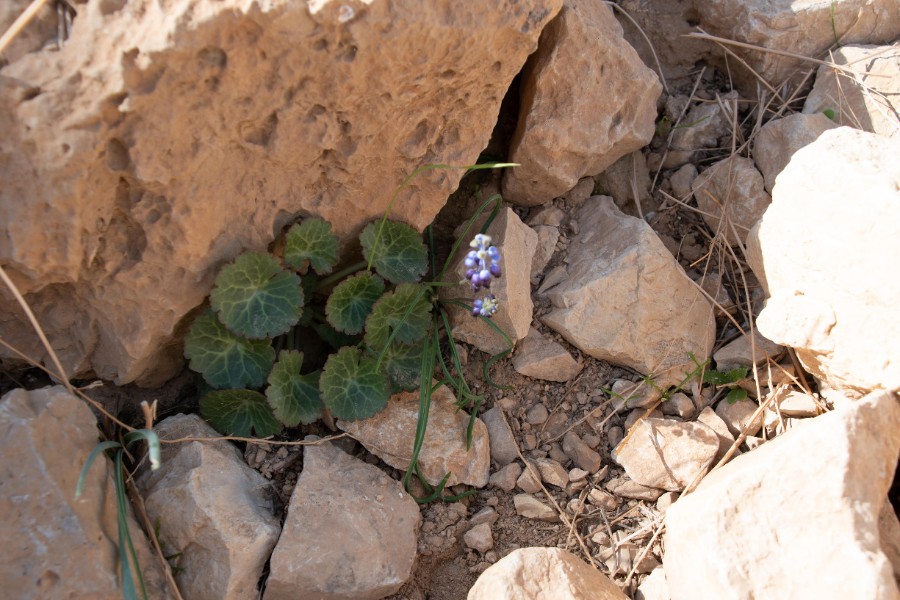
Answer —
(20, 23)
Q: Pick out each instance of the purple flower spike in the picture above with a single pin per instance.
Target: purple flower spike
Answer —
(485, 307)
(482, 262)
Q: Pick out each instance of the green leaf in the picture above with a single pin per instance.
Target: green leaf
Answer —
(224, 359)
(335, 338)
(403, 364)
(293, 397)
(256, 298)
(311, 242)
(829, 113)
(405, 311)
(352, 385)
(735, 395)
(351, 302)
(729, 377)
(239, 412)
(396, 251)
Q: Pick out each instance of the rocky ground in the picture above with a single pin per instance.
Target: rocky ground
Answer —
(674, 217)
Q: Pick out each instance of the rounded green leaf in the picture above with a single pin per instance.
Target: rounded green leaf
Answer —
(293, 397)
(405, 311)
(224, 359)
(256, 298)
(351, 302)
(352, 385)
(396, 251)
(311, 242)
(239, 412)
(403, 364)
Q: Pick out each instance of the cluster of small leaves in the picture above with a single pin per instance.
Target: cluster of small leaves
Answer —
(376, 322)
(729, 379)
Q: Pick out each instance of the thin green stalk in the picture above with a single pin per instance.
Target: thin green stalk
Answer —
(324, 283)
(496, 198)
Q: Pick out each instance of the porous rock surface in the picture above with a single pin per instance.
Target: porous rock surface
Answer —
(350, 532)
(166, 138)
(390, 434)
(626, 300)
(537, 573)
(835, 303)
(809, 497)
(54, 545)
(212, 509)
(587, 100)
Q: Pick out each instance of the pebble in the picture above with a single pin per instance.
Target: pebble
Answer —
(627, 488)
(558, 454)
(531, 508)
(555, 426)
(537, 414)
(737, 416)
(505, 478)
(552, 472)
(479, 538)
(528, 483)
(575, 487)
(614, 436)
(591, 440)
(504, 449)
(639, 414)
(798, 404)
(580, 453)
(485, 515)
(666, 500)
(709, 418)
(602, 499)
(577, 474)
(679, 405)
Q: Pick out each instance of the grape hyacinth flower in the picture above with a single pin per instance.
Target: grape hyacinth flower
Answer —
(485, 307)
(482, 262)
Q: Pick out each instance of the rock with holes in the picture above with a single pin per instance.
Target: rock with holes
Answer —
(164, 139)
(748, 530)
(836, 304)
(538, 573)
(866, 97)
(54, 545)
(801, 28)
(212, 510)
(389, 435)
(587, 99)
(779, 139)
(350, 532)
(732, 197)
(626, 300)
(667, 454)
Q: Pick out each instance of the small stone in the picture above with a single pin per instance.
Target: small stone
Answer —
(633, 394)
(575, 506)
(708, 122)
(654, 586)
(577, 474)
(528, 482)
(485, 515)
(504, 449)
(681, 181)
(732, 197)
(546, 246)
(531, 508)
(778, 140)
(555, 426)
(591, 440)
(542, 358)
(557, 454)
(640, 414)
(709, 418)
(666, 500)
(646, 564)
(505, 478)
(680, 405)
(530, 441)
(549, 216)
(742, 353)
(615, 435)
(798, 404)
(598, 497)
(580, 453)
(600, 537)
(738, 416)
(575, 487)
(479, 538)
(667, 454)
(628, 488)
(577, 195)
(491, 556)
(552, 472)
(537, 414)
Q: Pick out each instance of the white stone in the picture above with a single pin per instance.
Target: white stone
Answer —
(531, 508)
(836, 303)
(738, 416)
(748, 531)
(779, 139)
(732, 197)
(541, 574)
(626, 300)
(654, 586)
(479, 538)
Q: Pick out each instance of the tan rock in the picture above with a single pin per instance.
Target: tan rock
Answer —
(538, 573)
(746, 351)
(479, 537)
(580, 453)
(389, 435)
(626, 300)
(552, 473)
(625, 487)
(504, 448)
(506, 477)
(701, 128)
(807, 29)
(165, 139)
(57, 546)
(682, 181)
(738, 416)
(350, 532)
(529, 481)
(628, 181)
(709, 418)
(797, 404)
(744, 532)
(517, 243)
(213, 510)
(867, 98)
(679, 405)
(546, 246)
(587, 100)
(779, 139)
(542, 358)
(531, 508)
(835, 303)
(667, 454)
(732, 196)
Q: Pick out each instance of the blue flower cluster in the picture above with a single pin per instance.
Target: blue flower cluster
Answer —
(482, 262)
(486, 306)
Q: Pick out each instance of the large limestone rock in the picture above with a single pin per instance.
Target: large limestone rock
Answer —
(56, 546)
(829, 246)
(533, 573)
(805, 27)
(213, 510)
(390, 435)
(778, 140)
(812, 496)
(732, 197)
(866, 99)
(166, 138)
(350, 532)
(626, 300)
(587, 100)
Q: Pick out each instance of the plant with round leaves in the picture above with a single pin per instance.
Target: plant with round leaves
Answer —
(352, 301)
(311, 243)
(403, 315)
(353, 385)
(294, 398)
(224, 359)
(395, 250)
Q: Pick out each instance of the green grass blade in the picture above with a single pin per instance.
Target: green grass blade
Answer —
(425, 390)
(126, 547)
(82, 479)
(500, 355)
(497, 200)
